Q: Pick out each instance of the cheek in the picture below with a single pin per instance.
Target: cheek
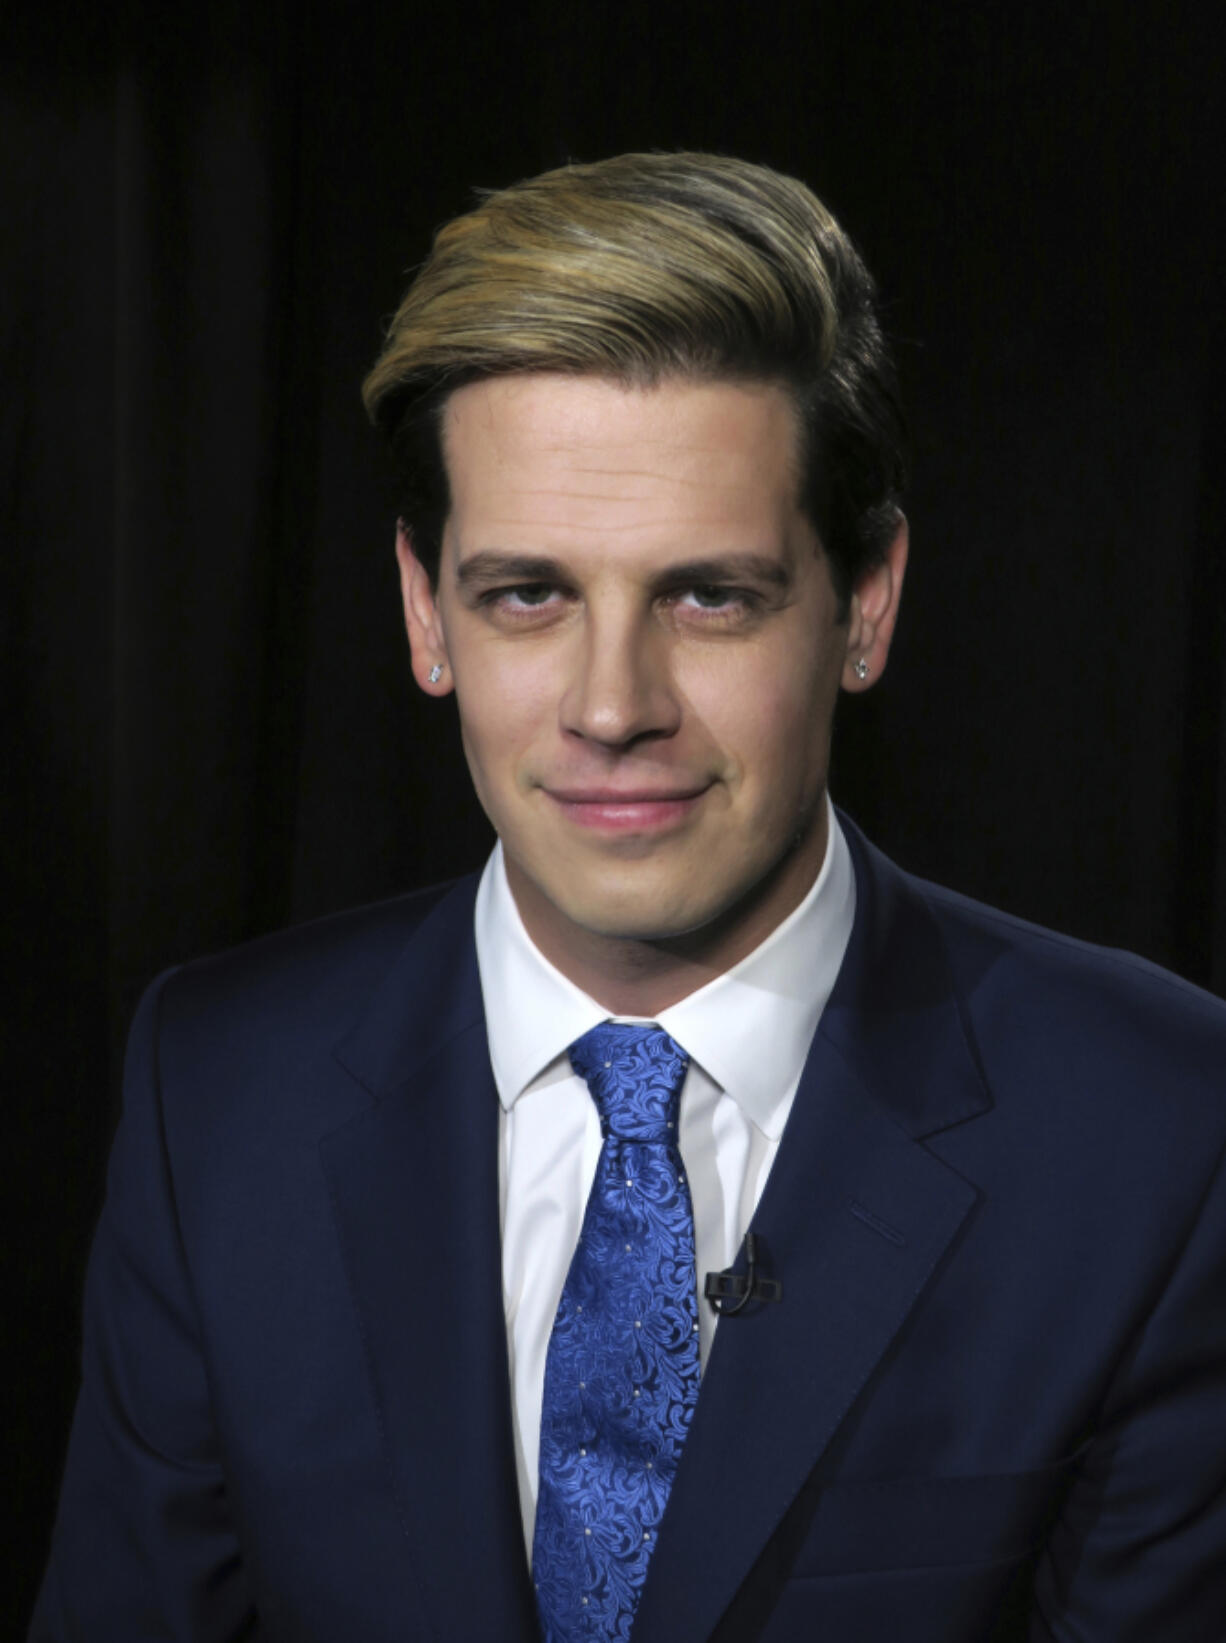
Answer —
(770, 722)
(503, 709)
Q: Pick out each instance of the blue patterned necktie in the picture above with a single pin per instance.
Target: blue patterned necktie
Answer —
(621, 1373)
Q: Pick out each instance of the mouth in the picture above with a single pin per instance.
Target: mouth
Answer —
(605, 810)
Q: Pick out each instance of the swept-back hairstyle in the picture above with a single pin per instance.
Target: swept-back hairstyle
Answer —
(645, 267)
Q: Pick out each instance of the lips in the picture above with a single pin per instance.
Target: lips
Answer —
(614, 795)
(634, 810)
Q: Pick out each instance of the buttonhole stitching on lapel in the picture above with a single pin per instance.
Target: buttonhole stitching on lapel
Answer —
(875, 1221)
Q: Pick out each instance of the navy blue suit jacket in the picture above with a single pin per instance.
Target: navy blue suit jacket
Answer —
(991, 1404)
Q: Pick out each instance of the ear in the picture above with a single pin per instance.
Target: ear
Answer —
(873, 613)
(427, 644)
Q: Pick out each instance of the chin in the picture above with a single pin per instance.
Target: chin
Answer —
(643, 914)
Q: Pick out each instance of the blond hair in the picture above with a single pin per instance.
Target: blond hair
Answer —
(647, 266)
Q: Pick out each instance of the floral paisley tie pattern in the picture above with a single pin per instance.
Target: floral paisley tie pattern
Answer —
(622, 1369)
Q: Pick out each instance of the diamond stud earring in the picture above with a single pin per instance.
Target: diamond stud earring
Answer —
(435, 674)
(860, 669)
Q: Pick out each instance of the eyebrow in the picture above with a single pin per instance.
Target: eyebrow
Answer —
(492, 565)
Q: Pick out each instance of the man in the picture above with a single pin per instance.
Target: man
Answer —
(696, 1228)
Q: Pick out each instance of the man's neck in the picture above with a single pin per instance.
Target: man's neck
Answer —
(630, 976)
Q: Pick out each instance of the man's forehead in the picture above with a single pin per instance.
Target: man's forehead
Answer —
(570, 405)
(707, 447)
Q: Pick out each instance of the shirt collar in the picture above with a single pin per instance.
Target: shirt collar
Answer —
(749, 1029)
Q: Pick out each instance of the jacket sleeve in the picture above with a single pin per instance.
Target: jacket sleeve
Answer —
(1139, 1551)
(144, 1545)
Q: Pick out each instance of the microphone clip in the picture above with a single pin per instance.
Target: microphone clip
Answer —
(730, 1292)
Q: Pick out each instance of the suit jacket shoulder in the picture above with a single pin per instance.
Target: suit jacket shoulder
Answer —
(1108, 1030)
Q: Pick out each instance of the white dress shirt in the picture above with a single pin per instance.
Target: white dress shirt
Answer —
(747, 1034)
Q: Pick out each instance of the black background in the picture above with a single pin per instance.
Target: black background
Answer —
(209, 728)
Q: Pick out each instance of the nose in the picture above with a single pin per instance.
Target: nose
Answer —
(621, 690)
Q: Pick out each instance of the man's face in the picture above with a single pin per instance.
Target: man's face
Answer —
(643, 637)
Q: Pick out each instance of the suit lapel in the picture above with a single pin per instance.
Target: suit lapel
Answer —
(414, 1182)
(856, 1216)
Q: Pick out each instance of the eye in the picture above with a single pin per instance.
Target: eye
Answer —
(522, 597)
(533, 594)
(716, 597)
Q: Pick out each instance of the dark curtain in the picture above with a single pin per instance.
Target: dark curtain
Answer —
(208, 724)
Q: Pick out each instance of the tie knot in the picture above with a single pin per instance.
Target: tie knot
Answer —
(635, 1075)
